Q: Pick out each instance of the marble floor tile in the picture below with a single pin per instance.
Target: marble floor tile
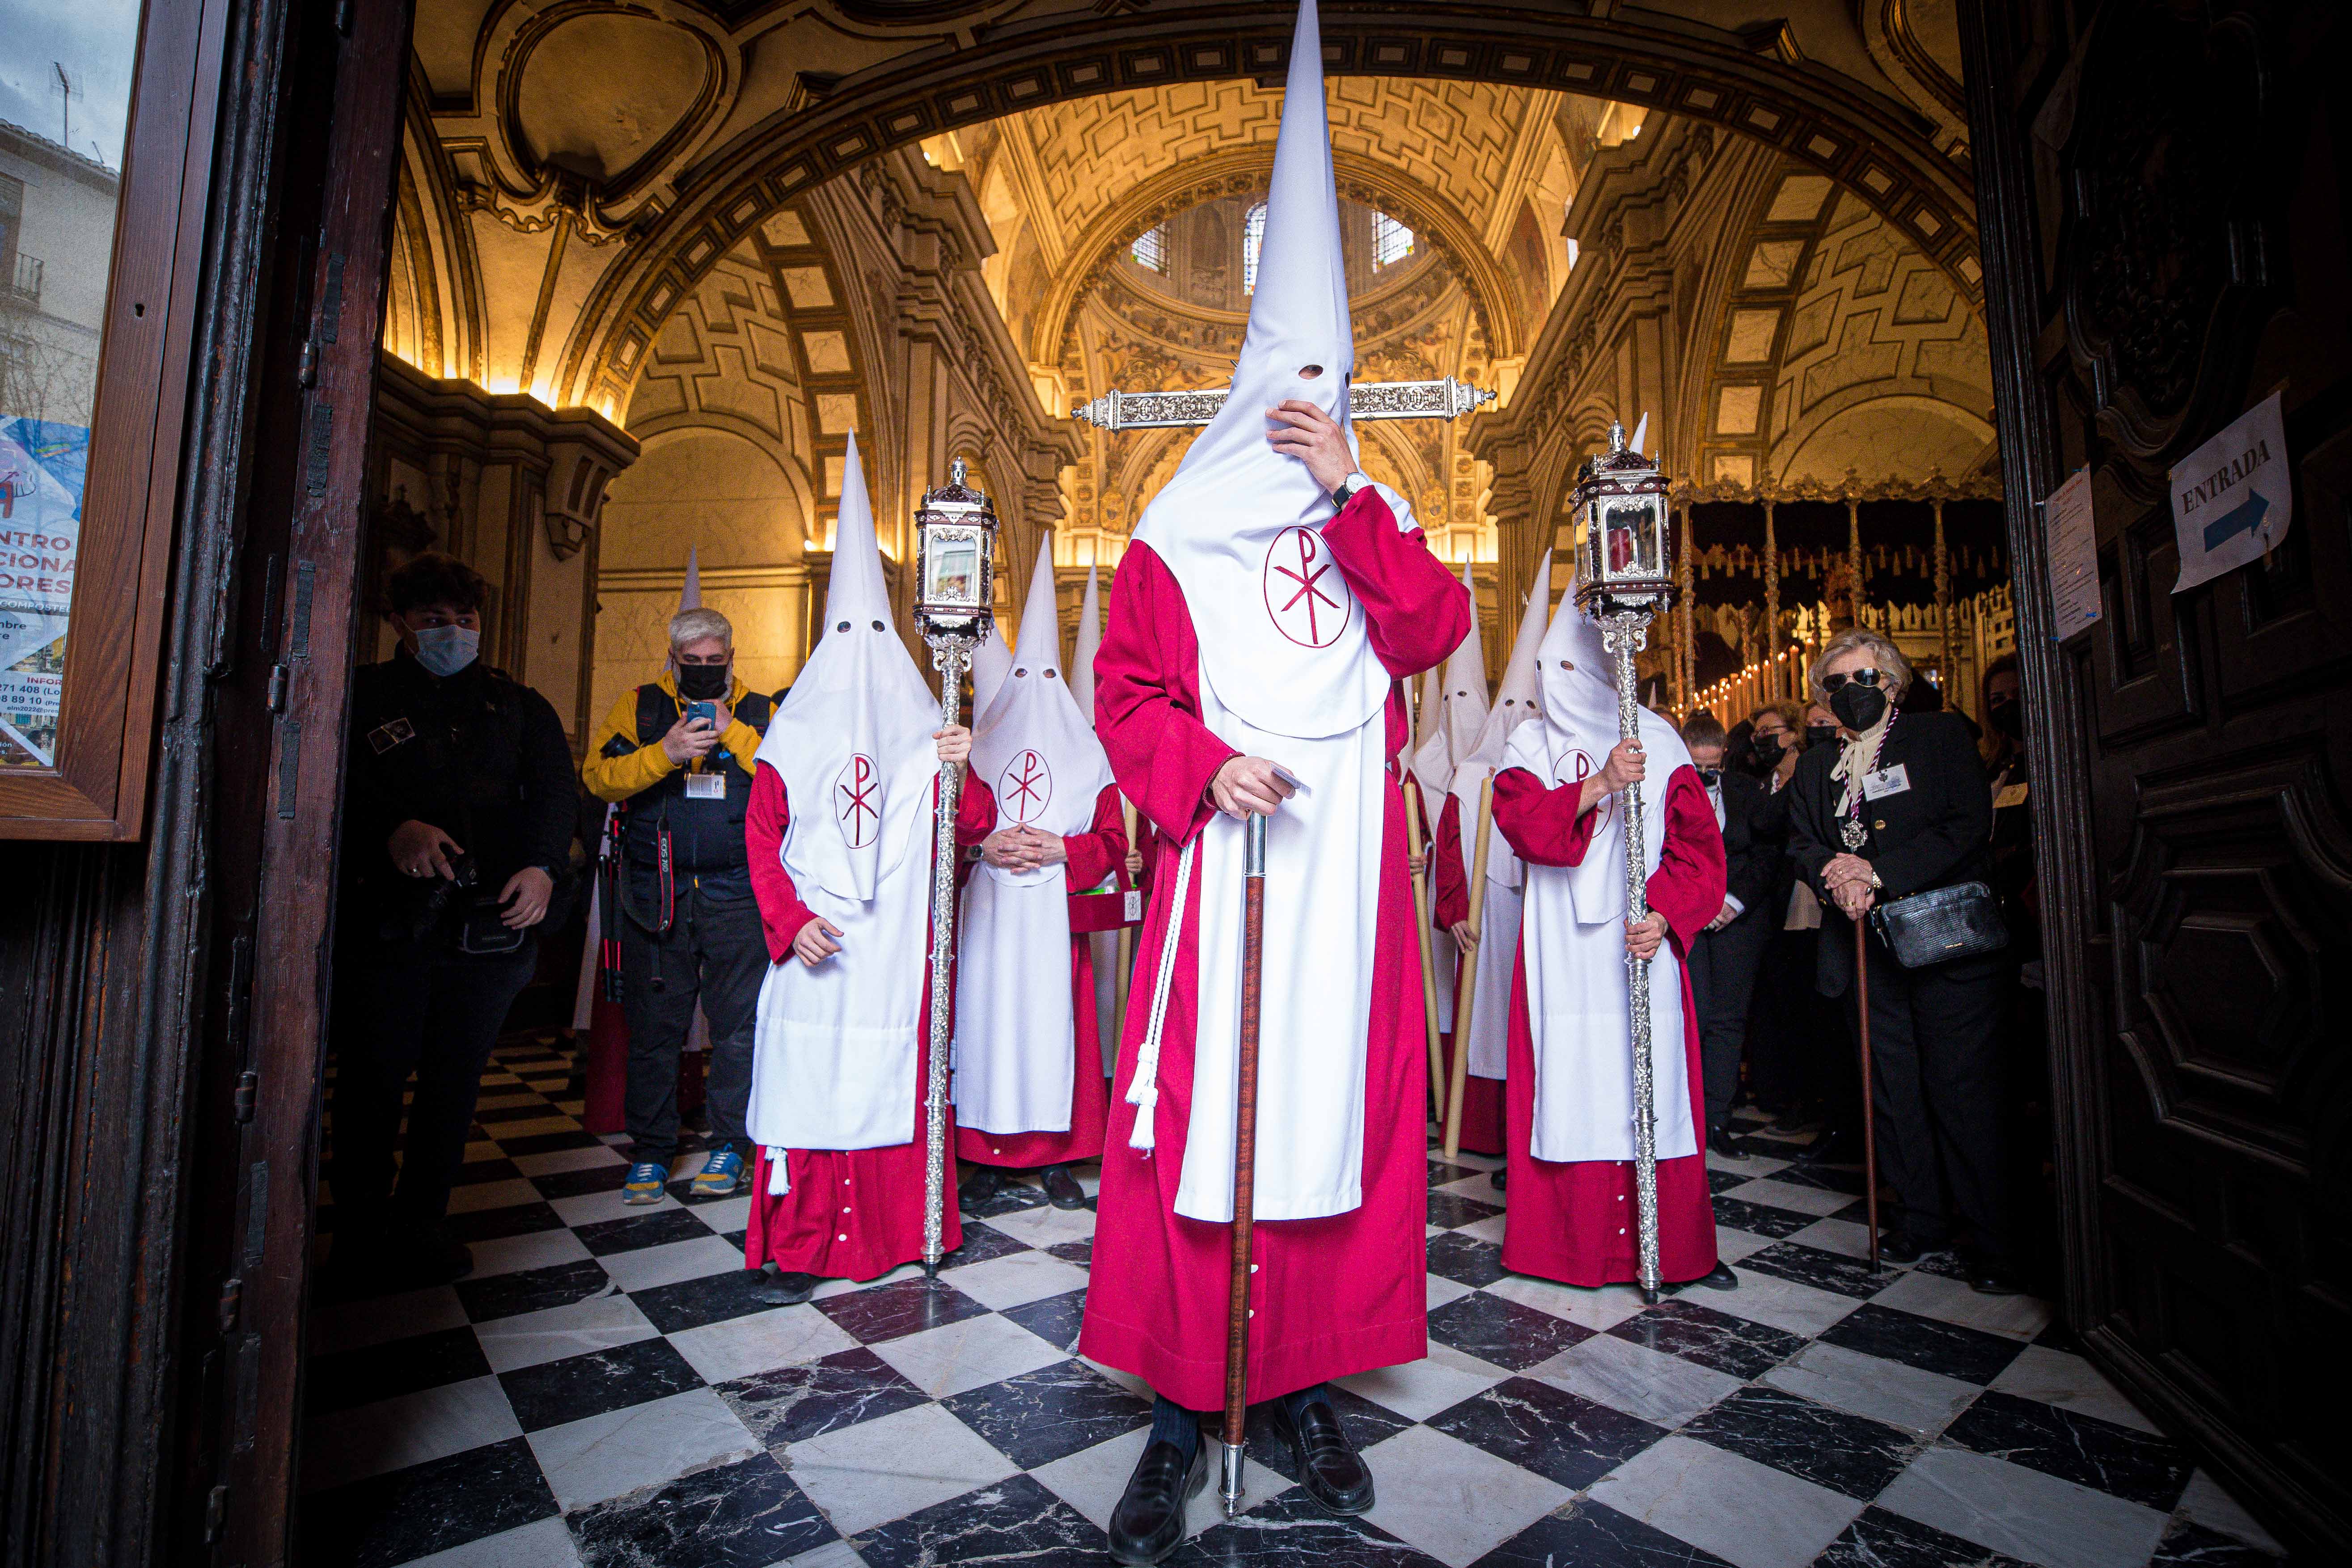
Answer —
(544, 1544)
(558, 1159)
(473, 1197)
(1044, 1225)
(355, 1325)
(724, 1216)
(1920, 1403)
(1491, 1229)
(835, 1554)
(885, 1469)
(1951, 1300)
(1846, 1237)
(675, 1261)
(402, 1515)
(1057, 1319)
(1037, 1417)
(1759, 1219)
(980, 1243)
(1503, 1332)
(1440, 1290)
(894, 1310)
(2030, 1516)
(1690, 1329)
(1882, 1539)
(2067, 1381)
(1008, 1281)
(496, 1224)
(732, 1292)
(655, 1225)
(513, 1254)
(1465, 1259)
(1012, 1521)
(1755, 1162)
(526, 1339)
(1598, 1310)
(1419, 1389)
(2187, 1545)
(2205, 1502)
(610, 1204)
(411, 1429)
(558, 1393)
(761, 1341)
(533, 1126)
(851, 1287)
(1450, 1499)
(1943, 1348)
(1292, 1528)
(745, 1514)
(1749, 1514)
(1833, 1448)
(1666, 1390)
(1451, 1210)
(2120, 1461)
(1829, 1271)
(1478, 1187)
(1091, 1480)
(1783, 1304)
(588, 1180)
(1589, 1534)
(794, 1403)
(1774, 1193)
(388, 1369)
(966, 1354)
(1731, 1246)
(532, 1290)
(1540, 1426)
(619, 1451)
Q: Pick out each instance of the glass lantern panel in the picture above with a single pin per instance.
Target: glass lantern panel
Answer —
(954, 566)
(1632, 541)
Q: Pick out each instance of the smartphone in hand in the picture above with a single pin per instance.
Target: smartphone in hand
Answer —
(706, 712)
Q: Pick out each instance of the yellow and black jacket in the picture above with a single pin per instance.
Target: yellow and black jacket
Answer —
(671, 837)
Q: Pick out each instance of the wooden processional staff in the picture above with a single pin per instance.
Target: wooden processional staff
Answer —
(1465, 992)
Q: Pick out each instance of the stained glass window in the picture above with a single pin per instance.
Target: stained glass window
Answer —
(1392, 241)
(1151, 248)
(1252, 238)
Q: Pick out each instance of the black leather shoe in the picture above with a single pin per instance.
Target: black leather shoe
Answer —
(1062, 1189)
(1838, 1148)
(1496, 1175)
(1149, 1522)
(1993, 1280)
(1719, 1277)
(980, 1187)
(1900, 1247)
(779, 1288)
(1728, 1143)
(1328, 1465)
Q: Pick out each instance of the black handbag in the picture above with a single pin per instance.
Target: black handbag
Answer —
(1945, 923)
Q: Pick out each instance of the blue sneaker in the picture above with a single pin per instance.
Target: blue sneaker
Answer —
(720, 1176)
(645, 1183)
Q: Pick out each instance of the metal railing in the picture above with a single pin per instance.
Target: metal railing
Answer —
(22, 284)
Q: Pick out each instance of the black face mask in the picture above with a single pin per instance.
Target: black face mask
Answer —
(1820, 734)
(1858, 706)
(2009, 718)
(1711, 777)
(1766, 752)
(702, 682)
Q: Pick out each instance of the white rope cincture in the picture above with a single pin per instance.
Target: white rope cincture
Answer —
(1143, 1093)
(779, 1182)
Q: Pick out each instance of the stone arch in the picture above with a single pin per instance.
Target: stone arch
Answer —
(1866, 145)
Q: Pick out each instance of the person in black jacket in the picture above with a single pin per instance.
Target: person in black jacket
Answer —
(458, 815)
(1899, 807)
(1724, 960)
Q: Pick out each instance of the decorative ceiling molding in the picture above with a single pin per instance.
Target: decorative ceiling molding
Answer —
(1815, 115)
(1912, 67)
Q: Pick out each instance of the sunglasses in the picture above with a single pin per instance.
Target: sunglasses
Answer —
(1859, 677)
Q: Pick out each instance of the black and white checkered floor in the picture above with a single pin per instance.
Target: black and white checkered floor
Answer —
(603, 1391)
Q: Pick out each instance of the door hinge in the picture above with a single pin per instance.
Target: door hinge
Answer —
(278, 675)
(248, 1091)
(308, 371)
(232, 1295)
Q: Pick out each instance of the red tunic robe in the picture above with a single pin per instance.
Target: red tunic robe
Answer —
(1574, 1222)
(1092, 853)
(852, 1214)
(1333, 1296)
(1481, 1098)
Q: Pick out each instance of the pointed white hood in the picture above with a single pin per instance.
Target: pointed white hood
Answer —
(1463, 710)
(1431, 758)
(1282, 638)
(1517, 700)
(1579, 704)
(689, 596)
(992, 661)
(853, 739)
(1034, 746)
(1089, 642)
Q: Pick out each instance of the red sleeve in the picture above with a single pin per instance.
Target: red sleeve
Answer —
(1452, 905)
(1101, 847)
(782, 913)
(1146, 709)
(975, 819)
(1687, 887)
(1415, 609)
(1540, 821)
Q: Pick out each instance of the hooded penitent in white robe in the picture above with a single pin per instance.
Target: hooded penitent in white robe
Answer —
(1517, 701)
(836, 1059)
(1015, 1052)
(1102, 945)
(1573, 923)
(992, 661)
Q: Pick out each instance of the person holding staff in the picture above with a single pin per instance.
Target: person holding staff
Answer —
(1558, 801)
(1260, 623)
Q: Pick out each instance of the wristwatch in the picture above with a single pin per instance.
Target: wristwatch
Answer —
(1347, 490)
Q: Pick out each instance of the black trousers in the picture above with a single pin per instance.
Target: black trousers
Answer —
(1935, 1060)
(714, 953)
(1723, 966)
(406, 1009)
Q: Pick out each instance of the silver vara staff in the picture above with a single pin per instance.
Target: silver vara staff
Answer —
(1444, 398)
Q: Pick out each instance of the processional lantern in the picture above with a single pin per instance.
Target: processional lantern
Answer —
(1625, 579)
(1444, 398)
(955, 609)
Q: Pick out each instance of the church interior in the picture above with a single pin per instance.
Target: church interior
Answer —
(631, 275)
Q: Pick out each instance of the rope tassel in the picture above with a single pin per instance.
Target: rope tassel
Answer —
(1143, 1092)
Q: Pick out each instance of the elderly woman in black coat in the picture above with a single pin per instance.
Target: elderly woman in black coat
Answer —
(1900, 806)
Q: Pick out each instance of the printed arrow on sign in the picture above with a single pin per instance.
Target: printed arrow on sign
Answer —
(2245, 518)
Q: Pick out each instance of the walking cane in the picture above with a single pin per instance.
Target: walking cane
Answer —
(1238, 1290)
(1869, 1118)
(1415, 842)
(1465, 993)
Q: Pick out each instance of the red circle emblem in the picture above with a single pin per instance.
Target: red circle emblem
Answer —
(1025, 787)
(857, 800)
(1306, 597)
(1574, 769)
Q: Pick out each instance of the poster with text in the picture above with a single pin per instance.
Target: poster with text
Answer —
(2234, 497)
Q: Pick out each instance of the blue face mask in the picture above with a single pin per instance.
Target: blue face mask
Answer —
(446, 650)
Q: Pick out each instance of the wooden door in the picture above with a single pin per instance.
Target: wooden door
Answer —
(2163, 192)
